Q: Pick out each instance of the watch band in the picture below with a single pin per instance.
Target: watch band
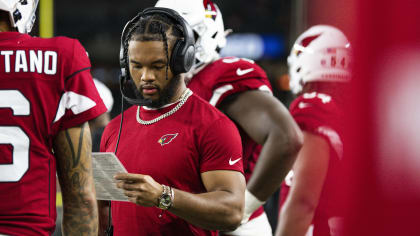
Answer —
(172, 195)
(165, 200)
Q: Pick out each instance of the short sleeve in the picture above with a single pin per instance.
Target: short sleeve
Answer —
(109, 136)
(80, 59)
(322, 119)
(80, 101)
(225, 90)
(236, 76)
(220, 147)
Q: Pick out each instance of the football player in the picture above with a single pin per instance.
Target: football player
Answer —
(182, 154)
(240, 88)
(319, 72)
(47, 97)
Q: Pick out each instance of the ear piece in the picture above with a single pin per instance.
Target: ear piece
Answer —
(182, 61)
(189, 57)
(182, 57)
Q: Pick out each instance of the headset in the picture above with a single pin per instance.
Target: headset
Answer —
(182, 56)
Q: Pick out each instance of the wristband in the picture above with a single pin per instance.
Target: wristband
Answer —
(252, 203)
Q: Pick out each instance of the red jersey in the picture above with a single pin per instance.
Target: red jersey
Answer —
(45, 87)
(317, 113)
(229, 76)
(174, 151)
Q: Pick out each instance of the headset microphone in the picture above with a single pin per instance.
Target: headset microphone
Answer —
(131, 94)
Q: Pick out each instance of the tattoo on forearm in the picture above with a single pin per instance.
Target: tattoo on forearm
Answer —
(75, 156)
(75, 180)
(80, 213)
(70, 143)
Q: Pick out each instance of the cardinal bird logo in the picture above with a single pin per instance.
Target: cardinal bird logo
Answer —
(167, 138)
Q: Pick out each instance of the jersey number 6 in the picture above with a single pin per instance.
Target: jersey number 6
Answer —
(14, 136)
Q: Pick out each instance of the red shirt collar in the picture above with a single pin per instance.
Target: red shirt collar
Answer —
(10, 35)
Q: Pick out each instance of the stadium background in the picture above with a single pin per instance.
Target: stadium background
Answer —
(263, 30)
(373, 25)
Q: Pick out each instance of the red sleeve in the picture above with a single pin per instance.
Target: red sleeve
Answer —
(318, 114)
(220, 147)
(110, 135)
(80, 60)
(104, 140)
(238, 75)
(80, 101)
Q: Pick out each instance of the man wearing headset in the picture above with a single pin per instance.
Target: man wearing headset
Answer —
(240, 88)
(183, 155)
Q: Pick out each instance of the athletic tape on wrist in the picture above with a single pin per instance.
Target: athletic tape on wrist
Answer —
(252, 203)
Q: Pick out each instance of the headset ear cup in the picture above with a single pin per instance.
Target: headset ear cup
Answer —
(181, 61)
(176, 57)
(189, 57)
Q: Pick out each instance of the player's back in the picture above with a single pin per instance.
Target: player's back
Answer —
(320, 114)
(42, 91)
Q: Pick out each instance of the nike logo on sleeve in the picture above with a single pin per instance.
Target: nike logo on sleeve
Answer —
(241, 72)
(233, 162)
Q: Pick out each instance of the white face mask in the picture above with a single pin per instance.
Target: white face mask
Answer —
(22, 16)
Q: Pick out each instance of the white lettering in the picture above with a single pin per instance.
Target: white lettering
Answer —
(50, 55)
(35, 61)
(20, 62)
(6, 55)
(324, 97)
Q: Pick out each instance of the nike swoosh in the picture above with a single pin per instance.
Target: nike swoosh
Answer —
(234, 161)
(240, 72)
(304, 105)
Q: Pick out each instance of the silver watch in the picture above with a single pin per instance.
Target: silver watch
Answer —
(166, 198)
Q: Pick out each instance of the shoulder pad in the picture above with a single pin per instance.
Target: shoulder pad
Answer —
(234, 68)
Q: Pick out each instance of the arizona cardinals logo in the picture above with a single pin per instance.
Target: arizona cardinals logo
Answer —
(306, 41)
(167, 138)
(210, 9)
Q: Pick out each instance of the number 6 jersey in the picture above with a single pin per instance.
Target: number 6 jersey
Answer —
(45, 87)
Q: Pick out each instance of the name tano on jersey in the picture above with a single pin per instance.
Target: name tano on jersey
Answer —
(38, 61)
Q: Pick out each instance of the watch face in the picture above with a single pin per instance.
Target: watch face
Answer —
(166, 200)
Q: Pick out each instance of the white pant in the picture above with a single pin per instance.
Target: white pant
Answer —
(259, 226)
